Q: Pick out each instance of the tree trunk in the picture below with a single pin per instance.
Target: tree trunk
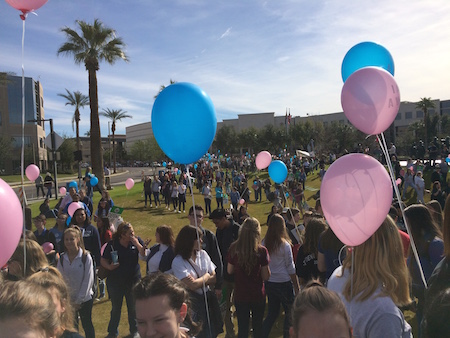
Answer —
(95, 136)
(114, 150)
(77, 127)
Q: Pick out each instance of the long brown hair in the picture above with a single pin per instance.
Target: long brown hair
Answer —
(315, 227)
(247, 245)
(35, 257)
(276, 234)
(379, 262)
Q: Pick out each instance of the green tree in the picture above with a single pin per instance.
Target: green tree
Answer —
(114, 115)
(424, 104)
(225, 139)
(95, 44)
(162, 87)
(66, 152)
(78, 100)
(248, 138)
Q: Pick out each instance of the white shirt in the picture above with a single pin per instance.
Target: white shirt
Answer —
(79, 278)
(153, 263)
(182, 268)
(281, 264)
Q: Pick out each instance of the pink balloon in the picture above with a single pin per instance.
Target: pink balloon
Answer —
(62, 190)
(26, 6)
(129, 183)
(12, 222)
(175, 169)
(263, 160)
(241, 201)
(102, 249)
(32, 172)
(370, 99)
(398, 181)
(47, 247)
(74, 206)
(356, 195)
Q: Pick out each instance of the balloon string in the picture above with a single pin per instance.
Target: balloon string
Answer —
(22, 153)
(383, 146)
(292, 218)
(352, 271)
(198, 240)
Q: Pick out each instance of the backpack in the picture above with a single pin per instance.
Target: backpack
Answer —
(94, 267)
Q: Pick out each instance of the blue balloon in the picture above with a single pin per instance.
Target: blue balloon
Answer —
(94, 181)
(164, 164)
(278, 171)
(73, 184)
(190, 138)
(178, 172)
(447, 160)
(366, 54)
(195, 166)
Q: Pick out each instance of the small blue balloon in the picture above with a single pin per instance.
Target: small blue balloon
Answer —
(73, 184)
(447, 160)
(164, 164)
(211, 164)
(195, 166)
(366, 54)
(94, 181)
(278, 171)
(190, 105)
(287, 194)
(178, 172)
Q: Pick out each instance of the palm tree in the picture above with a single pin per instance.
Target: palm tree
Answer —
(95, 44)
(424, 104)
(78, 100)
(162, 87)
(114, 115)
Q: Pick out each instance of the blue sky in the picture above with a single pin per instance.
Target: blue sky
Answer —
(250, 56)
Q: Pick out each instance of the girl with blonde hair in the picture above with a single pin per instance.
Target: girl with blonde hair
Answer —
(373, 282)
(282, 285)
(35, 259)
(52, 280)
(248, 260)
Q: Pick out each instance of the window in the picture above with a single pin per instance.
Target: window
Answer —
(408, 115)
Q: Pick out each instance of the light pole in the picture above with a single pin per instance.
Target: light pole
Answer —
(52, 137)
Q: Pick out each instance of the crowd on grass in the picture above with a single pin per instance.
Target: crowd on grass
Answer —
(197, 281)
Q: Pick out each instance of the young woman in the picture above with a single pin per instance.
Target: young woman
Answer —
(430, 247)
(206, 192)
(306, 264)
(174, 195)
(162, 306)
(376, 284)
(156, 187)
(292, 219)
(194, 268)
(58, 231)
(319, 312)
(181, 195)
(27, 310)
(160, 256)
(437, 194)
(123, 274)
(248, 260)
(76, 266)
(330, 252)
(35, 259)
(219, 195)
(242, 214)
(282, 285)
(52, 280)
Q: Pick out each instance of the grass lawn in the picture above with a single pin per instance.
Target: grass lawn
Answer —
(145, 221)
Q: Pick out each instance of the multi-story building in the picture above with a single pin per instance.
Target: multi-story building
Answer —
(11, 121)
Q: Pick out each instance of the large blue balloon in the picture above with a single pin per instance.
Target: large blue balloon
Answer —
(184, 122)
(278, 171)
(366, 54)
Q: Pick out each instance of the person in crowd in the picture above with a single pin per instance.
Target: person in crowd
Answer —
(76, 266)
(34, 257)
(227, 232)
(219, 195)
(319, 312)
(162, 307)
(109, 200)
(156, 188)
(206, 192)
(48, 184)
(242, 214)
(174, 195)
(58, 231)
(27, 310)
(257, 187)
(403, 234)
(39, 183)
(91, 237)
(436, 212)
(87, 200)
(437, 194)
(181, 195)
(160, 256)
(147, 191)
(194, 268)
(72, 191)
(248, 260)
(52, 280)
(329, 252)
(292, 219)
(45, 209)
(165, 189)
(104, 230)
(123, 274)
(102, 210)
(282, 285)
(419, 182)
(273, 211)
(430, 248)
(436, 320)
(373, 282)
(408, 181)
(235, 197)
(45, 236)
(306, 265)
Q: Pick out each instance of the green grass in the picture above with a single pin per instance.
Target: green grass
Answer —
(145, 221)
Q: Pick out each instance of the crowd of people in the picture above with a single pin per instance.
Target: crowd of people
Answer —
(198, 280)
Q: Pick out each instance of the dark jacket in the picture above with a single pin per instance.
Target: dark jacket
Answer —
(225, 237)
(166, 259)
(211, 246)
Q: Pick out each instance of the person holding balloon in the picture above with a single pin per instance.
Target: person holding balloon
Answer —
(373, 282)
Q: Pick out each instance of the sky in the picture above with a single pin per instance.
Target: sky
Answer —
(249, 56)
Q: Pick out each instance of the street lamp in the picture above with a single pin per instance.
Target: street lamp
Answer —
(52, 136)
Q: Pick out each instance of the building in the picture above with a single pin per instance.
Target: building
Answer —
(141, 131)
(107, 145)
(11, 122)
